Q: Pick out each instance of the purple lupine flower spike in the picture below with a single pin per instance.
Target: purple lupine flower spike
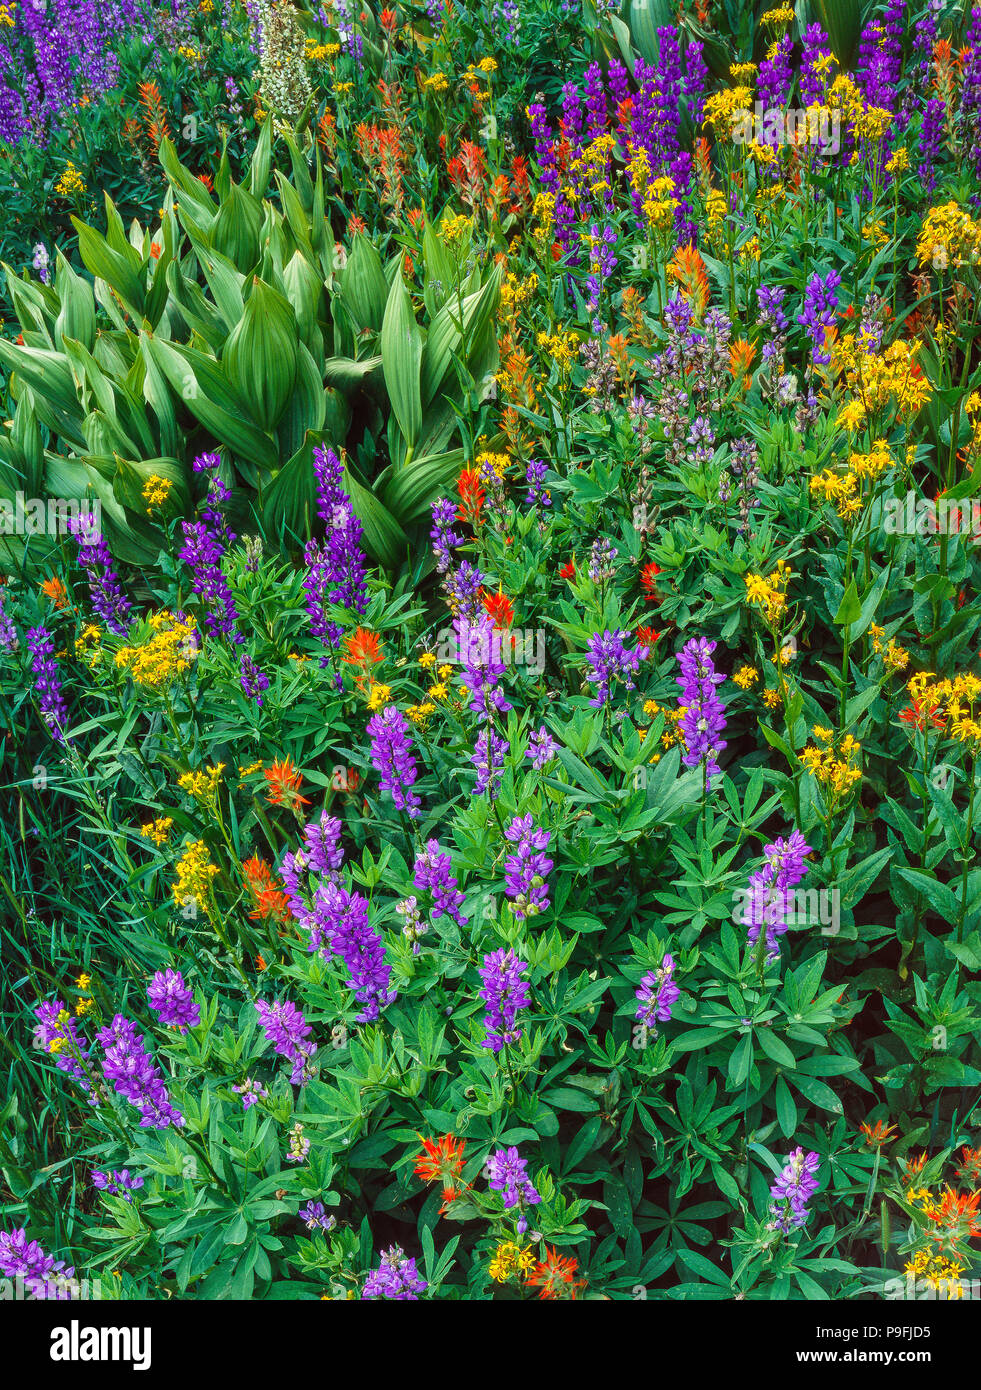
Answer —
(505, 992)
(793, 1190)
(172, 1001)
(391, 755)
(108, 599)
(703, 718)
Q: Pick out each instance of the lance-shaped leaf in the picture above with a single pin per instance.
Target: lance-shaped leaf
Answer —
(260, 358)
(401, 353)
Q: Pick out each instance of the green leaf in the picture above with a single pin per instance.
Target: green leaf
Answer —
(401, 353)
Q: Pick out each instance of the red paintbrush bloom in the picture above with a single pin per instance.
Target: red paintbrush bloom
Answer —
(500, 608)
(568, 570)
(646, 637)
(918, 714)
(285, 782)
(648, 582)
(878, 1134)
(555, 1276)
(389, 20)
(271, 903)
(363, 648)
(471, 496)
(441, 1160)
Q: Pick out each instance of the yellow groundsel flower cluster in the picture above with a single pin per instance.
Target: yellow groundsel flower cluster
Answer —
(515, 294)
(951, 701)
(562, 347)
(723, 109)
(543, 221)
(834, 767)
(452, 230)
(7, 16)
(194, 874)
(202, 786)
(167, 654)
(672, 732)
(509, 1260)
(660, 204)
(783, 14)
(592, 168)
(436, 82)
(846, 490)
(156, 492)
(770, 593)
(716, 210)
(948, 235)
(497, 464)
(878, 379)
(936, 1270)
(70, 183)
(157, 830)
(88, 647)
(746, 676)
(420, 714)
(894, 657)
(380, 696)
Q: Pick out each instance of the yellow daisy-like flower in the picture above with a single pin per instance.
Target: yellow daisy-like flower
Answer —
(195, 873)
(381, 695)
(157, 830)
(746, 676)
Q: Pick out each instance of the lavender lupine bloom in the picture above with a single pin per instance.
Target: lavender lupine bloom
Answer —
(820, 308)
(314, 1216)
(395, 1280)
(535, 478)
(41, 261)
(252, 680)
(289, 1033)
(488, 759)
(43, 1276)
(969, 115)
(432, 874)
(47, 683)
(251, 1091)
(462, 587)
(542, 748)
(391, 756)
(770, 889)
(609, 659)
(8, 633)
(299, 1147)
(108, 599)
(793, 1190)
(115, 1184)
(775, 75)
(508, 1174)
(135, 1076)
(657, 994)
(337, 567)
(931, 133)
(527, 869)
(172, 1001)
(815, 52)
(343, 928)
(504, 993)
(596, 114)
(57, 1033)
(480, 648)
(602, 261)
(205, 544)
(442, 535)
(541, 133)
(703, 720)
